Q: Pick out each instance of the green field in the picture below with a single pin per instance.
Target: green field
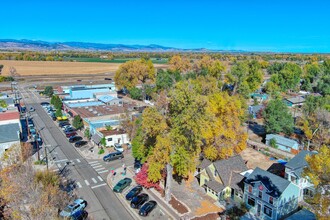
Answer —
(100, 60)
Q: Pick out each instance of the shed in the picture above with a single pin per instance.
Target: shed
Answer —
(283, 143)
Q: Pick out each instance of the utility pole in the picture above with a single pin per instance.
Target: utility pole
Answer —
(46, 156)
(37, 143)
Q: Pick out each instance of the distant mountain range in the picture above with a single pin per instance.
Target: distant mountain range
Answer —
(11, 44)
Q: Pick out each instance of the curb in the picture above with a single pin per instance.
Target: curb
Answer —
(121, 198)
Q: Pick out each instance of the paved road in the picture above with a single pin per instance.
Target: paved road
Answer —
(103, 204)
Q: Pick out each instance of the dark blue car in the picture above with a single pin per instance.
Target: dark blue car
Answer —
(133, 192)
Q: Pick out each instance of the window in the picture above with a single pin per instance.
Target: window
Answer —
(268, 211)
(250, 189)
(260, 194)
(215, 173)
(109, 139)
(293, 179)
(271, 200)
(251, 201)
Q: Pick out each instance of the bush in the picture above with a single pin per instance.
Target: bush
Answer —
(39, 162)
(101, 151)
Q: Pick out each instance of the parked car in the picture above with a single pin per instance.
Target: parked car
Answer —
(64, 123)
(147, 208)
(75, 139)
(74, 208)
(133, 192)
(138, 200)
(119, 147)
(65, 127)
(70, 134)
(32, 109)
(137, 165)
(122, 184)
(69, 129)
(129, 146)
(113, 156)
(107, 79)
(44, 103)
(80, 143)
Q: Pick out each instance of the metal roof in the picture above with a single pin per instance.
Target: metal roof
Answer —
(9, 133)
(282, 140)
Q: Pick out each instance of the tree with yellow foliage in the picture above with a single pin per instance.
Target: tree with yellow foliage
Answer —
(181, 64)
(318, 172)
(223, 132)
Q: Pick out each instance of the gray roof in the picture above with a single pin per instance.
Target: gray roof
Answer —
(302, 214)
(282, 140)
(275, 184)
(96, 138)
(209, 173)
(9, 133)
(237, 181)
(205, 163)
(296, 100)
(226, 166)
(253, 109)
(298, 163)
(215, 185)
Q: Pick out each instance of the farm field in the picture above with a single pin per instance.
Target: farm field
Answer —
(100, 60)
(28, 68)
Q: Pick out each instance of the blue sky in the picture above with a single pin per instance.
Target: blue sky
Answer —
(253, 25)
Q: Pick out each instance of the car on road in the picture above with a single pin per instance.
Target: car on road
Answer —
(122, 184)
(32, 109)
(147, 208)
(113, 156)
(138, 200)
(73, 209)
(74, 139)
(133, 192)
(119, 147)
(70, 134)
(80, 143)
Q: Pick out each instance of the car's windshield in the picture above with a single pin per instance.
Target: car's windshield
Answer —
(68, 209)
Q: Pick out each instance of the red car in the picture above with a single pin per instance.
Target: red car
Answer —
(70, 134)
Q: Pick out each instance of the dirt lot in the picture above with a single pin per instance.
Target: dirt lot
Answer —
(256, 159)
(25, 68)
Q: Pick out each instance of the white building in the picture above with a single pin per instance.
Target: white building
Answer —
(116, 136)
(293, 172)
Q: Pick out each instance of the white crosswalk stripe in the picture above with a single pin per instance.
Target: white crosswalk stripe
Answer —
(94, 180)
(93, 187)
(78, 161)
(72, 162)
(97, 166)
(101, 168)
(79, 185)
(59, 165)
(93, 162)
(100, 178)
(87, 183)
(103, 171)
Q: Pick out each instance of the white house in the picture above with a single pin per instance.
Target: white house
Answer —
(115, 136)
(294, 173)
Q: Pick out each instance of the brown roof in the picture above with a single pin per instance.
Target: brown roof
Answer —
(97, 111)
(10, 115)
(112, 132)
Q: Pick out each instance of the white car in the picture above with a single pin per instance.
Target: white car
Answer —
(119, 147)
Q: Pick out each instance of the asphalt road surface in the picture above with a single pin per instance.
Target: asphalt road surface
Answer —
(102, 203)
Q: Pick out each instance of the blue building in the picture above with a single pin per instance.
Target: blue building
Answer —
(87, 92)
(283, 143)
(268, 196)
